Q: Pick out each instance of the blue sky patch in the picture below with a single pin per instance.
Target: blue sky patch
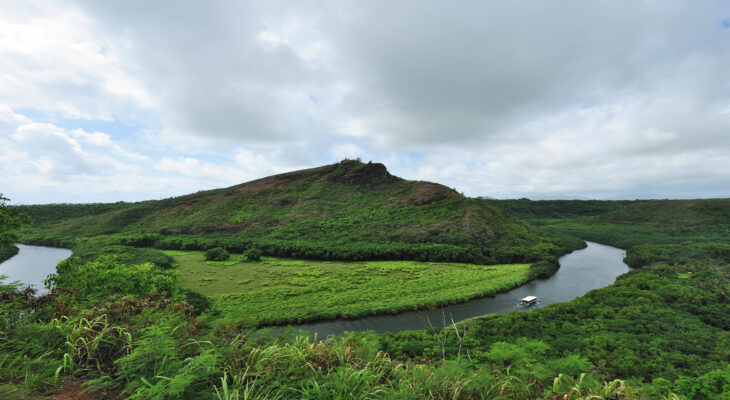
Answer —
(118, 130)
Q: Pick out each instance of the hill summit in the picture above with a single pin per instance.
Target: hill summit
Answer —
(348, 210)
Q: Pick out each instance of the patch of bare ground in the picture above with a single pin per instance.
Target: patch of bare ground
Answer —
(183, 207)
(427, 193)
(472, 222)
(264, 184)
(73, 390)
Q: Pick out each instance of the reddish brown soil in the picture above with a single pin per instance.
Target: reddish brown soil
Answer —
(261, 185)
(427, 193)
(72, 390)
(183, 206)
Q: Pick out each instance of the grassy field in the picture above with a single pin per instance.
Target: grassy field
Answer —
(277, 290)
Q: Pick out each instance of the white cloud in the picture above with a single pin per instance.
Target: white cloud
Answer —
(53, 59)
(346, 150)
(496, 99)
(355, 128)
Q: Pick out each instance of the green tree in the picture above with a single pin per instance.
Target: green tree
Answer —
(217, 254)
(253, 254)
(10, 220)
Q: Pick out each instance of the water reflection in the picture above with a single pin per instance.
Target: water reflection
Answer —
(32, 265)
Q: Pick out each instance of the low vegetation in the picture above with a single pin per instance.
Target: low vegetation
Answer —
(275, 290)
(217, 254)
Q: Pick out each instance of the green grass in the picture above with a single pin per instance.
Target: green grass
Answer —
(277, 290)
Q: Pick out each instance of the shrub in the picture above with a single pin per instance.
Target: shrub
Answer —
(106, 276)
(544, 269)
(253, 254)
(217, 254)
(7, 252)
(199, 302)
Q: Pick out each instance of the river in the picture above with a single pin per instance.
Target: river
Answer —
(32, 265)
(581, 271)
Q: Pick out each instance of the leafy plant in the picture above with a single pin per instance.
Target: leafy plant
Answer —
(253, 254)
(217, 254)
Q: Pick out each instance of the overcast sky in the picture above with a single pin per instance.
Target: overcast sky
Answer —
(135, 100)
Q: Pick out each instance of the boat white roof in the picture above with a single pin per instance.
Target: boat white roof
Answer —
(529, 298)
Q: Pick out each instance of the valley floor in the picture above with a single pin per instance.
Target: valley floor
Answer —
(277, 290)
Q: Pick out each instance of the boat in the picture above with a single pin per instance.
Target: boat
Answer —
(528, 301)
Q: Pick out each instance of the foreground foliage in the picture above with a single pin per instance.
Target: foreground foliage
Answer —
(127, 348)
(656, 323)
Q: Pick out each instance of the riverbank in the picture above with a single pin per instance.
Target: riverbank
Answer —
(7, 252)
(581, 271)
(32, 265)
(276, 291)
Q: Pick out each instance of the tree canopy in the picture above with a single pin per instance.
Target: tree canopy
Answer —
(10, 220)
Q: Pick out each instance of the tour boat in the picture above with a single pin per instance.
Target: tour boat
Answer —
(528, 301)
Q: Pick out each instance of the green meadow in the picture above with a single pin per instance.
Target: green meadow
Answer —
(278, 290)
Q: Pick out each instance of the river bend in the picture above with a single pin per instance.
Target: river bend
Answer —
(581, 271)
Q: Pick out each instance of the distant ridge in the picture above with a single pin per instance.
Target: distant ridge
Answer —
(665, 213)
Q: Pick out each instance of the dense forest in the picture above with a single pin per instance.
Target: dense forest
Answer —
(118, 324)
(540, 210)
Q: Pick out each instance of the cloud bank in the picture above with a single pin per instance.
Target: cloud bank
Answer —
(104, 101)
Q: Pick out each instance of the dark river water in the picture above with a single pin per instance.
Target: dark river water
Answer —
(581, 271)
(33, 264)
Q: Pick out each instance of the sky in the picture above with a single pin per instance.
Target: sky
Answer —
(136, 100)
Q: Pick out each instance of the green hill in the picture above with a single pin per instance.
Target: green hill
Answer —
(656, 222)
(671, 213)
(540, 211)
(345, 211)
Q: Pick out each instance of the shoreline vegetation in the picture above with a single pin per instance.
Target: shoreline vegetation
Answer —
(10, 221)
(8, 252)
